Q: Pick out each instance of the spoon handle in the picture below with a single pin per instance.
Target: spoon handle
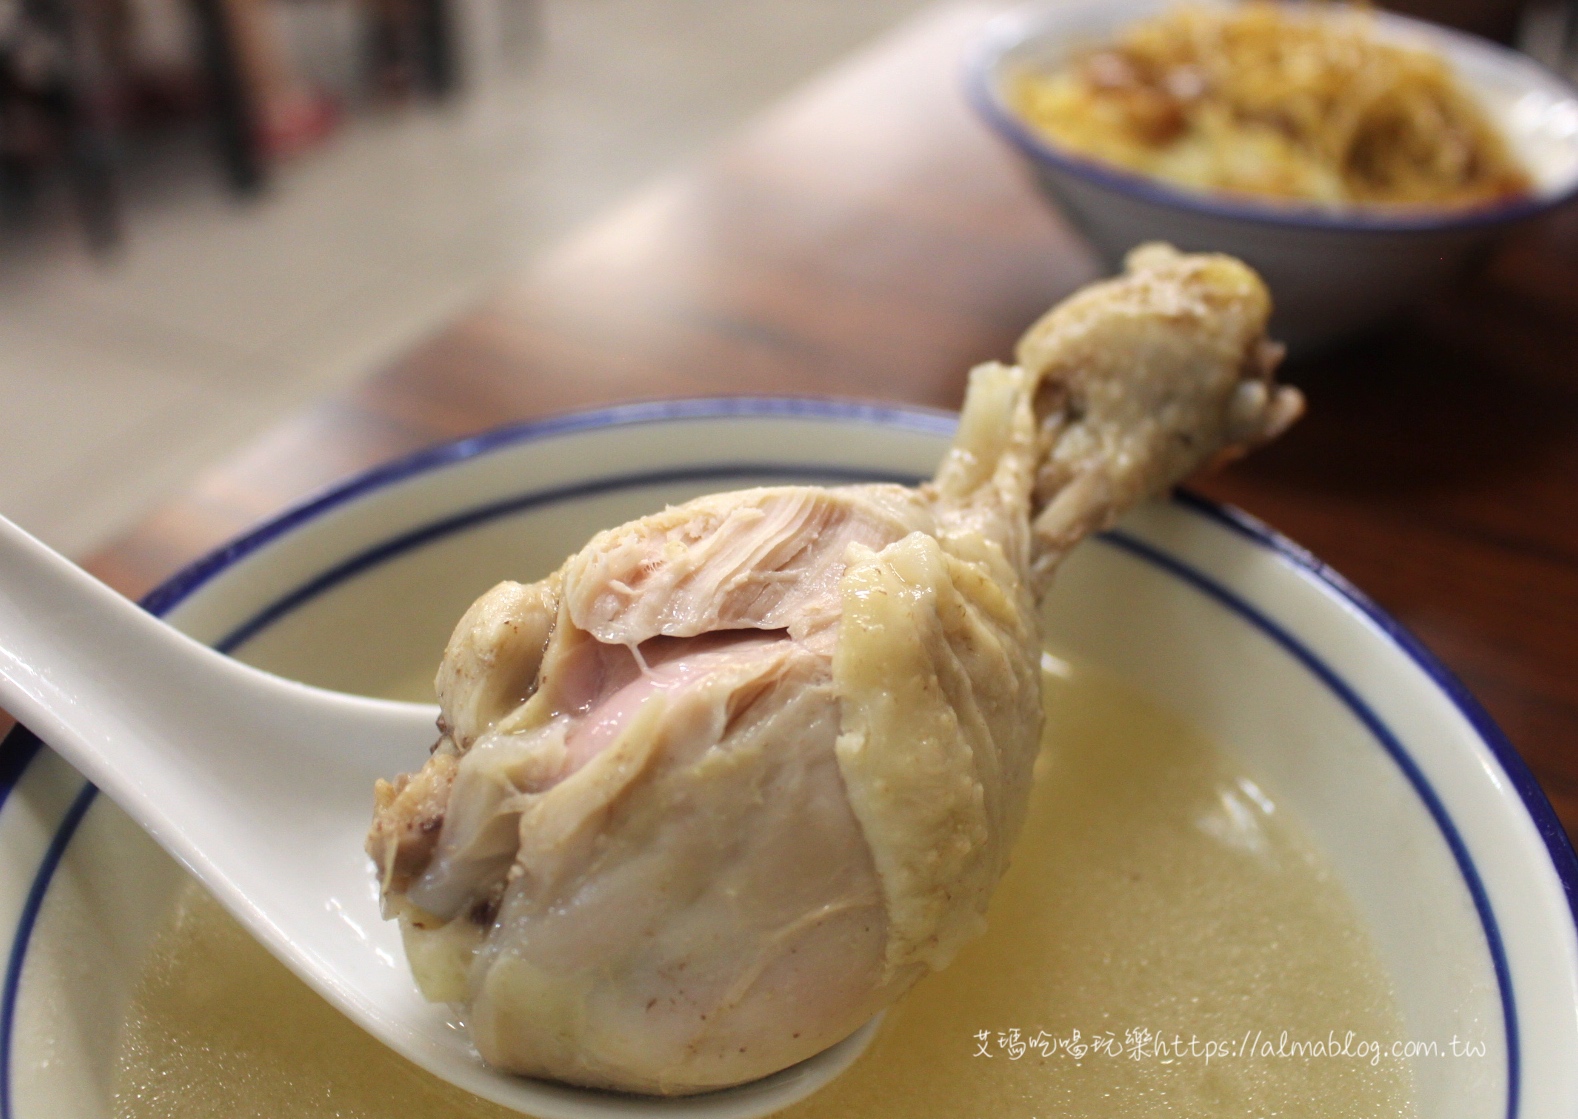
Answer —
(159, 721)
(73, 652)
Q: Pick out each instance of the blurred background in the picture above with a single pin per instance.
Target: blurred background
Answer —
(212, 211)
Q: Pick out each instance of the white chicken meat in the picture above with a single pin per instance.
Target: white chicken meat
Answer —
(739, 773)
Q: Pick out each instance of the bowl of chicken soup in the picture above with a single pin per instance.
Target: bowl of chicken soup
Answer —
(1272, 850)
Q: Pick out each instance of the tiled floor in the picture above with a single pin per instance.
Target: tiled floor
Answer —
(119, 380)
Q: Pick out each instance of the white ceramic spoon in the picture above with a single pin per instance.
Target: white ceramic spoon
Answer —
(262, 788)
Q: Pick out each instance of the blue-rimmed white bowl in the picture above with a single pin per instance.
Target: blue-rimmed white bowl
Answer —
(1335, 271)
(1451, 854)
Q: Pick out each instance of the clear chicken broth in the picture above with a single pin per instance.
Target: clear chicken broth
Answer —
(1161, 916)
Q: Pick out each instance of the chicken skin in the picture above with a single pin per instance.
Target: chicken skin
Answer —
(740, 772)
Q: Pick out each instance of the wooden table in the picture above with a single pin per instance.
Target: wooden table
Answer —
(869, 238)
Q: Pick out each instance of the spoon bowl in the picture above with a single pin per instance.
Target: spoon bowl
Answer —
(261, 787)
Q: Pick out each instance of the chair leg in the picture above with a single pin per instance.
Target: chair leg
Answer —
(72, 99)
(96, 186)
(1570, 38)
(235, 116)
(436, 40)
